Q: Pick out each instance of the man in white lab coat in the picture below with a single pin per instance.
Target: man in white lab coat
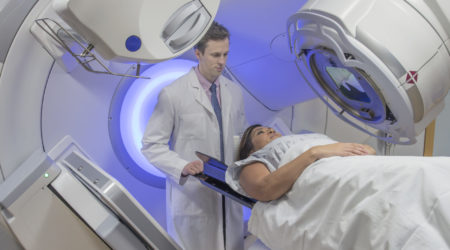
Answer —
(184, 121)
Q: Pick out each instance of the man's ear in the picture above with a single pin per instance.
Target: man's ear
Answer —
(197, 54)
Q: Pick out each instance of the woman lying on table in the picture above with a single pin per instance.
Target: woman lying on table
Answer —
(262, 178)
(316, 193)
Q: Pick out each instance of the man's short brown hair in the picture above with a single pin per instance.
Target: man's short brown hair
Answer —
(216, 32)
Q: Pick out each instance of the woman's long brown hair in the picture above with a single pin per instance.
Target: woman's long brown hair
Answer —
(246, 145)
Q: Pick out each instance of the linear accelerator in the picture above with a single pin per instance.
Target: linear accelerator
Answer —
(384, 63)
(53, 194)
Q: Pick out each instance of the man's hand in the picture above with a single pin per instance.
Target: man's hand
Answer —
(192, 168)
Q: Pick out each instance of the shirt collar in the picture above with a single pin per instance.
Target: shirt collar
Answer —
(203, 81)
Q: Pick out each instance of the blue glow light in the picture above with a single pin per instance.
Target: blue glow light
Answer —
(139, 102)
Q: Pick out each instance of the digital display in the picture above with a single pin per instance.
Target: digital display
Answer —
(347, 84)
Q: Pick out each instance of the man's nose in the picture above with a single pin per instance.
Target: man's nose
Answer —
(222, 59)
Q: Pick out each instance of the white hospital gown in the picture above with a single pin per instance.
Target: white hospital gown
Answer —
(352, 203)
(272, 155)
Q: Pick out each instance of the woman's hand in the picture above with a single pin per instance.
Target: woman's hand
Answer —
(369, 149)
(341, 149)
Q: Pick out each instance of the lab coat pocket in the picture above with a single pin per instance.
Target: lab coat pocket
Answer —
(192, 126)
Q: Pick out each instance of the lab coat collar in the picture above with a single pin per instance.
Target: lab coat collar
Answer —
(202, 98)
(226, 99)
(199, 93)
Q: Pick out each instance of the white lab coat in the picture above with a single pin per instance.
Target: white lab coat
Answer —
(184, 119)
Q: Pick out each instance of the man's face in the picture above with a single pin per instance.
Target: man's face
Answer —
(212, 61)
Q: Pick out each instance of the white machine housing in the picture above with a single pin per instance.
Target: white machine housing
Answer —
(385, 63)
(48, 187)
(44, 190)
(143, 31)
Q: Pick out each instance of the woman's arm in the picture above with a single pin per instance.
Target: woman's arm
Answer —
(261, 184)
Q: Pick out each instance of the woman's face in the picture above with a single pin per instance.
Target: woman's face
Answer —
(261, 136)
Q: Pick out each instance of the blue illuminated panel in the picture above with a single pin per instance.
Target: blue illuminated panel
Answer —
(136, 109)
